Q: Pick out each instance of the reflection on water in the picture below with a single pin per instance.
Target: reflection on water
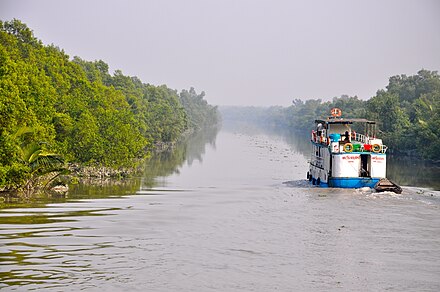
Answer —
(228, 211)
(405, 171)
(53, 242)
(299, 142)
(166, 163)
(410, 171)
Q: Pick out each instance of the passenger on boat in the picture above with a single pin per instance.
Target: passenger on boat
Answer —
(319, 129)
(364, 173)
(347, 137)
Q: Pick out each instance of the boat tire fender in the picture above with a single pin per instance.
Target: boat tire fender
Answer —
(348, 147)
(376, 148)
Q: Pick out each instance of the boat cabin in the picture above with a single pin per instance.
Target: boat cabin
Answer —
(344, 135)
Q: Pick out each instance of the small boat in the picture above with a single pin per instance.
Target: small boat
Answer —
(347, 154)
(387, 185)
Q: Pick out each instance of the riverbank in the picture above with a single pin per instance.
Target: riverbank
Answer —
(84, 114)
(97, 175)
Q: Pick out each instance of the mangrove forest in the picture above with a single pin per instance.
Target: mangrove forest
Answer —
(56, 110)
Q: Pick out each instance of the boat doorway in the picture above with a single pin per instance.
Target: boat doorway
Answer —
(365, 165)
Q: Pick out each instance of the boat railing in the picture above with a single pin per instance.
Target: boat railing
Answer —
(365, 141)
(360, 137)
(322, 139)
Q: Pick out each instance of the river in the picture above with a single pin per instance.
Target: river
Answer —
(227, 211)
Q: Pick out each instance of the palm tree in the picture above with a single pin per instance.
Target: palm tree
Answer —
(44, 166)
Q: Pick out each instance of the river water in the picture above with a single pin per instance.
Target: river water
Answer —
(227, 211)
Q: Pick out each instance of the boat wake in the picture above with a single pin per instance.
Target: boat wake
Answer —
(302, 183)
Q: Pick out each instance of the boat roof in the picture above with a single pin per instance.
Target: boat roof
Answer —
(332, 120)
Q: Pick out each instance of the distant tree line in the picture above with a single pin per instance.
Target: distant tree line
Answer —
(407, 112)
(79, 111)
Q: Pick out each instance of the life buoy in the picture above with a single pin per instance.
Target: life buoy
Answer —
(376, 148)
(348, 147)
(336, 112)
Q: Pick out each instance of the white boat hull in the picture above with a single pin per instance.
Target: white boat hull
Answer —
(345, 170)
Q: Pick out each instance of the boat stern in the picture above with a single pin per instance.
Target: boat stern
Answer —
(352, 182)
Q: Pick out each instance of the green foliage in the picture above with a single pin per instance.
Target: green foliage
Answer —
(407, 112)
(167, 117)
(427, 130)
(200, 113)
(30, 165)
(393, 121)
(79, 110)
(300, 116)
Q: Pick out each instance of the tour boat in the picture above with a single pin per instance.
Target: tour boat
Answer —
(343, 157)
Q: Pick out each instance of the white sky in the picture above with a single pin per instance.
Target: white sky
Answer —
(245, 52)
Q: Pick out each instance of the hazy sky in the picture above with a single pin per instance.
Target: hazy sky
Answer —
(245, 52)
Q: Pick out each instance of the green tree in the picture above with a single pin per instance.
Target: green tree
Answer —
(82, 111)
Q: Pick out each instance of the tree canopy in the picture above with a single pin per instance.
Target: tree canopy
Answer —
(77, 109)
(407, 112)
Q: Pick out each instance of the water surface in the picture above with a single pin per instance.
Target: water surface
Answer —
(226, 212)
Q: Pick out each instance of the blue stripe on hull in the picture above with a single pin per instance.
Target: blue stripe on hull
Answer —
(352, 182)
(323, 185)
(314, 181)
